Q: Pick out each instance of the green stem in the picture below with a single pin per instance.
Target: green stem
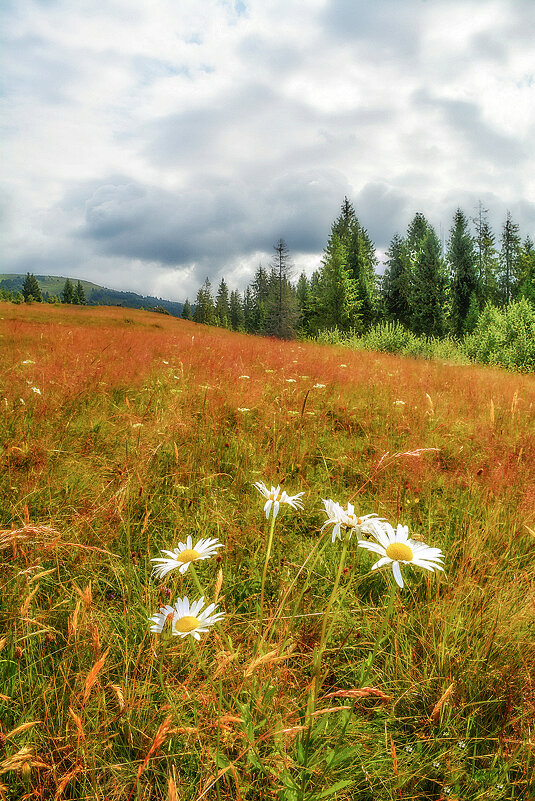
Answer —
(324, 631)
(196, 580)
(264, 574)
(366, 670)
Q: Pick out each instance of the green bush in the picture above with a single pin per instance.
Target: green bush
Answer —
(504, 337)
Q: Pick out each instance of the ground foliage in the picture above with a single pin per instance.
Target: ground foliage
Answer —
(122, 434)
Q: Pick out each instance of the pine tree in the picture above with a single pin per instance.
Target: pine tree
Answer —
(204, 305)
(31, 290)
(248, 308)
(362, 263)
(418, 228)
(67, 295)
(429, 288)
(281, 305)
(222, 306)
(509, 257)
(79, 294)
(304, 302)
(397, 279)
(464, 274)
(186, 310)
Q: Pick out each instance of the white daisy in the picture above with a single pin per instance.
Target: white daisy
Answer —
(396, 547)
(275, 496)
(345, 518)
(186, 618)
(184, 554)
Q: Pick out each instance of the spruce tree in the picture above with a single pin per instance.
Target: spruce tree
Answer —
(256, 313)
(186, 310)
(526, 271)
(396, 285)
(509, 258)
(204, 305)
(464, 273)
(281, 305)
(429, 293)
(30, 289)
(222, 306)
(79, 294)
(486, 258)
(304, 302)
(336, 301)
(237, 317)
(67, 295)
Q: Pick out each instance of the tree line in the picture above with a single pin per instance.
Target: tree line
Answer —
(31, 293)
(431, 288)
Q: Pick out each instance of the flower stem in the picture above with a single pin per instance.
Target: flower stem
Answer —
(264, 574)
(196, 580)
(366, 669)
(324, 631)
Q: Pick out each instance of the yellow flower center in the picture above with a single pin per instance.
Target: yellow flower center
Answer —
(188, 556)
(275, 496)
(398, 551)
(186, 623)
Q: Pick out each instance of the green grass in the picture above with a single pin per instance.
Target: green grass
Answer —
(136, 441)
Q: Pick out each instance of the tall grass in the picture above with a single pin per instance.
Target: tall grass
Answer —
(145, 431)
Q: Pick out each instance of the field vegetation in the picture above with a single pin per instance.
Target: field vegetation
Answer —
(124, 433)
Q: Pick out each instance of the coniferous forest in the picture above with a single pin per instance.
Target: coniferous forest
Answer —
(431, 292)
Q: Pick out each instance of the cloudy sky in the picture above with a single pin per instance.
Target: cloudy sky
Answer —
(148, 144)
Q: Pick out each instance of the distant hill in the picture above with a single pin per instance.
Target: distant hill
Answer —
(95, 294)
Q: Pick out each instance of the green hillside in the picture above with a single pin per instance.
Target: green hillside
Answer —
(95, 294)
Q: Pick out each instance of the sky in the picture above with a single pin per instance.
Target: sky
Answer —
(150, 144)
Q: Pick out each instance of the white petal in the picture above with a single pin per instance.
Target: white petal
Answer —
(384, 561)
(397, 574)
(372, 546)
(276, 505)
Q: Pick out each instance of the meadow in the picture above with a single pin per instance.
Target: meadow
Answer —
(125, 432)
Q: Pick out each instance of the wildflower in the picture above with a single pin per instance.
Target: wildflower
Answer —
(244, 376)
(28, 361)
(243, 409)
(184, 554)
(319, 386)
(36, 390)
(276, 496)
(461, 744)
(345, 518)
(291, 381)
(186, 619)
(396, 547)
(399, 403)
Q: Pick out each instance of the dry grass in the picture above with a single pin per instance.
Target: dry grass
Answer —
(147, 429)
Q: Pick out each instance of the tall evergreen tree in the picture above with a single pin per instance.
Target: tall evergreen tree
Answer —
(464, 273)
(486, 258)
(204, 305)
(336, 300)
(509, 256)
(397, 279)
(362, 263)
(282, 308)
(418, 228)
(30, 289)
(67, 295)
(429, 288)
(304, 302)
(79, 294)
(257, 315)
(186, 310)
(237, 317)
(222, 305)
(248, 309)
(526, 271)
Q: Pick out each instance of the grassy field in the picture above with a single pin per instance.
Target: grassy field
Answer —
(122, 435)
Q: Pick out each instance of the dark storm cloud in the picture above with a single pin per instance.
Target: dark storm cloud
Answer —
(211, 220)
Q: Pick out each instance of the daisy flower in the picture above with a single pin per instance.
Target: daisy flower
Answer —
(396, 547)
(345, 518)
(186, 618)
(184, 554)
(275, 496)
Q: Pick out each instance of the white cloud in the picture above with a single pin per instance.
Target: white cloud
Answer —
(150, 144)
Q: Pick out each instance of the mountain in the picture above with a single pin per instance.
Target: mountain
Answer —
(95, 294)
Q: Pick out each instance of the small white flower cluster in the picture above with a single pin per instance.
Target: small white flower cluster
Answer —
(394, 546)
